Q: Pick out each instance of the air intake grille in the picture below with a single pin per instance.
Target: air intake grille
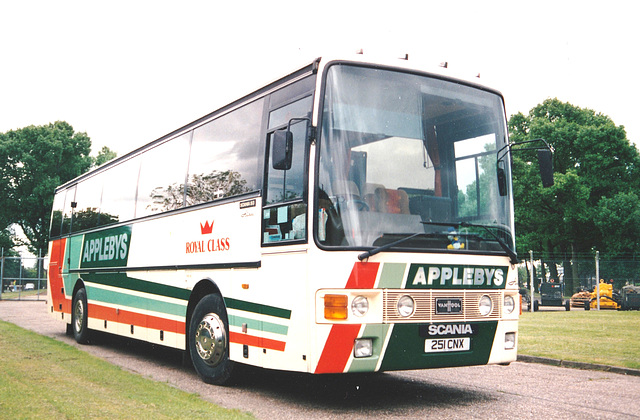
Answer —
(425, 301)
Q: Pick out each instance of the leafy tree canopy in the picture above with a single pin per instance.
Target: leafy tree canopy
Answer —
(593, 204)
(104, 155)
(35, 160)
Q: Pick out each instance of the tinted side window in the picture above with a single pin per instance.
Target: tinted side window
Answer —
(225, 159)
(88, 197)
(281, 116)
(68, 210)
(119, 192)
(56, 214)
(162, 174)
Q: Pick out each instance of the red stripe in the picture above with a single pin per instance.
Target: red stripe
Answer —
(254, 341)
(136, 319)
(337, 349)
(363, 275)
(56, 284)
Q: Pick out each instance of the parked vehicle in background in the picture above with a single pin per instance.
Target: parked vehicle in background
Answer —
(630, 298)
(551, 294)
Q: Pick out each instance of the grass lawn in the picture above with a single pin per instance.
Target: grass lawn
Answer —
(604, 337)
(42, 377)
(23, 294)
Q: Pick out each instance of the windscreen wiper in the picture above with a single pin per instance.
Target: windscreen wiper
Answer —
(374, 251)
(513, 257)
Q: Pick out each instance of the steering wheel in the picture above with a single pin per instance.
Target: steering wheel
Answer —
(360, 205)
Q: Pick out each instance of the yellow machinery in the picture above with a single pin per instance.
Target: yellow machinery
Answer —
(607, 300)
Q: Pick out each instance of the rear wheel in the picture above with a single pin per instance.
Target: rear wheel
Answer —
(79, 317)
(209, 341)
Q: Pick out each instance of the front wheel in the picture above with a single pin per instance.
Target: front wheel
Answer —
(79, 317)
(209, 341)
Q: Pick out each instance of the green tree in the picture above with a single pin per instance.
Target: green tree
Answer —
(104, 155)
(6, 239)
(35, 160)
(618, 222)
(593, 162)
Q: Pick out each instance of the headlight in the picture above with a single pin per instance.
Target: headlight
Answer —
(510, 341)
(509, 304)
(360, 306)
(363, 347)
(485, 305)
(405, 306)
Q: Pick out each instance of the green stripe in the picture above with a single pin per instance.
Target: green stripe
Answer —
(71, 260)
(75, 248)
(377, 332)
(69, 282)
(255, 324)
(122, 281)
(123, 299)
(257, 308)
(392, 275)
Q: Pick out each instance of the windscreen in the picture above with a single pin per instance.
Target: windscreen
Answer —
(404, 154)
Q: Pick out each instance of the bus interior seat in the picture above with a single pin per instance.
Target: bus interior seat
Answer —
(385, 200)
(431, 208)
(369, 196)
(397, 201)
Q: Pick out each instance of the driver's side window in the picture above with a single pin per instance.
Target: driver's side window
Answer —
(285, 212)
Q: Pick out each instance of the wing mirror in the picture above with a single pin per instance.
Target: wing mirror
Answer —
(545, 161)
(282, 146)
(282, 150)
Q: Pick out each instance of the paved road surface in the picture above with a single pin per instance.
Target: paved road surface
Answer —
(521, 390)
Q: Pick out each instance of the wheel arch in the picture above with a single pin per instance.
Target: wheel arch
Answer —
(79, 285)
(203, 288)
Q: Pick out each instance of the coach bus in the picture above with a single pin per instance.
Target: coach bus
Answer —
(352, 216)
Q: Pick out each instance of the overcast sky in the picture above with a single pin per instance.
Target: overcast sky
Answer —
(127, 72)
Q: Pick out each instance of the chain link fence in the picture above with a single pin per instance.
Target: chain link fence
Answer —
(22, 278)
(578, 272)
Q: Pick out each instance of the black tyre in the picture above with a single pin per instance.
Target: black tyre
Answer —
(79, 317)
(567, 305)
(209, 341)
(536, 305)
(587, 305)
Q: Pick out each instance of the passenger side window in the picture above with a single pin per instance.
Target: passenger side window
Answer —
(119, 193)
(224, 160)
(162, 175)
(56, 215)
(68, 210)
(88, 198)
